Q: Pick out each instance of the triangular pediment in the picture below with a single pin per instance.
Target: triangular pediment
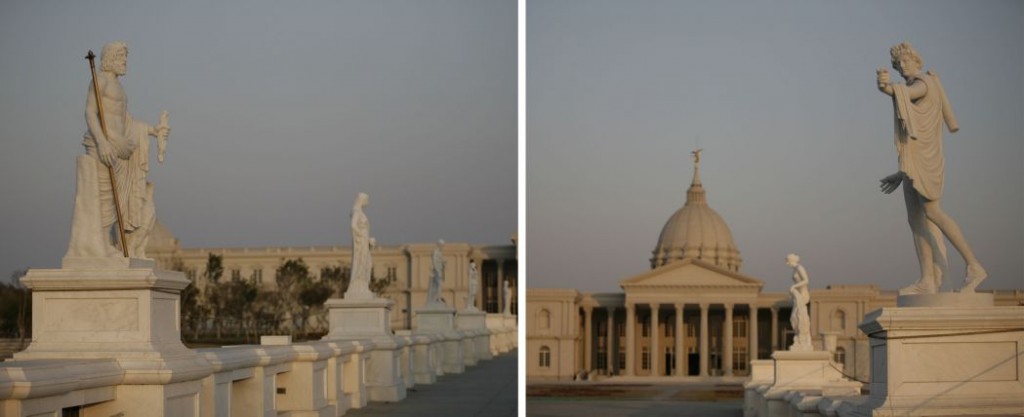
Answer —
(690, 273)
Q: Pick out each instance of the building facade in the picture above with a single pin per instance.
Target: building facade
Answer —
(408, 266)
(693, 314)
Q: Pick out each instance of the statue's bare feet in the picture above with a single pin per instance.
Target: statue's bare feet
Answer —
(926, 285)
(975, 274)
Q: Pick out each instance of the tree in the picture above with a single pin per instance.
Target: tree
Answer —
(238, 296)
(15, 307)
(337, 277)
(291, 277)
(380, 285)
(312, 298)
(193, 312)
(214, 268)
(214, 294)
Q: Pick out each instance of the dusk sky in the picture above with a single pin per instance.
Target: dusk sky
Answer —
(280, 113)
(782, 98)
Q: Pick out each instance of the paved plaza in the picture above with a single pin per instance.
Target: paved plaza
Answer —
(647, 400)
(487, 389)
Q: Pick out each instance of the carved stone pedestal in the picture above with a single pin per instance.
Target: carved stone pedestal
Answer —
(473, 325)
(370, 319)
(440, 319)
(962, 360)
(122, 310)
(797, 371)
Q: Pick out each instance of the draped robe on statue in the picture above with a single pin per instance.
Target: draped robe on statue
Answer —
(94, 203)
(919, 135)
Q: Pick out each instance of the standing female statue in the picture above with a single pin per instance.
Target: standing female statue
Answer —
(362, 263)
(799, 319)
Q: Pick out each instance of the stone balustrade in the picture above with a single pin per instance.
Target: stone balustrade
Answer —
(323, 378)
(104, 345)
(933, 354)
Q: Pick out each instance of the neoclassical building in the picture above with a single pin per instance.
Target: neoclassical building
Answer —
(409, 265)
(693, 314)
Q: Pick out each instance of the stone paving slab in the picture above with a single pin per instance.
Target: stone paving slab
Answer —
(640, 400)
(487, 389)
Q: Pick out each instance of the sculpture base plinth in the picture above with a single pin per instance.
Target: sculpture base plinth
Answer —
(803, 369)
(440, 319)
(370, 319)
(476, 345)
(119, 309)
(947, 299)
(359, 319)
(944, 361)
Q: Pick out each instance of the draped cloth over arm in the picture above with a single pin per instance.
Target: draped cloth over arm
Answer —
(918, 135)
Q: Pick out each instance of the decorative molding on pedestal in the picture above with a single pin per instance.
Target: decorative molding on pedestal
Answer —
(370, 320)
(944, 360)
(440, 319)
(112, 308)
(476, 345)
(359, 319)
(947, 299)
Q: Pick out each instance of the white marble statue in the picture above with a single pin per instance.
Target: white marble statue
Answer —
(508, 298)
(474, 277)
(921, 107)
(114, 139)
(362, 244)
(799, 319)
(437, 275)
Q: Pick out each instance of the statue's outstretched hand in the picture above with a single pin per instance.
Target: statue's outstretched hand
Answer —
(892, 182)
(882, 76)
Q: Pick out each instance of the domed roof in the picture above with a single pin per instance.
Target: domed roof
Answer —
(695, 231)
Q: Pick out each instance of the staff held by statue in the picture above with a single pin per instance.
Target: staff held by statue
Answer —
(110, 168)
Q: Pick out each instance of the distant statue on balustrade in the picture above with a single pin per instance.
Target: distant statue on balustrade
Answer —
(474, 277)
(508, 298)
(362, 244)
(800, 318)
(115, 142)
(436, 276)
(921, 107)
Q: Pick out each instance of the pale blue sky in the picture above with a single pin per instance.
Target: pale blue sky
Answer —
(281, 112)
(795, 135)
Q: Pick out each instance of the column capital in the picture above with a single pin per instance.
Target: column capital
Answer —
(775, 309)
(629, 306)
(705, 306)
(588, 309)
(679, 306)
(728, 306)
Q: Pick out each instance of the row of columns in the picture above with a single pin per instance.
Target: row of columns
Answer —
(727, 346)
(499, 281)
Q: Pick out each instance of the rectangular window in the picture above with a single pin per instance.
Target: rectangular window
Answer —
(622, 359)
(602, 359)
(690, 330)
(620, 329)
(257, 276)
(739, 328)
(645, 328)
(645, 359)
(739, 358)
(236, 274)
(670, 330)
